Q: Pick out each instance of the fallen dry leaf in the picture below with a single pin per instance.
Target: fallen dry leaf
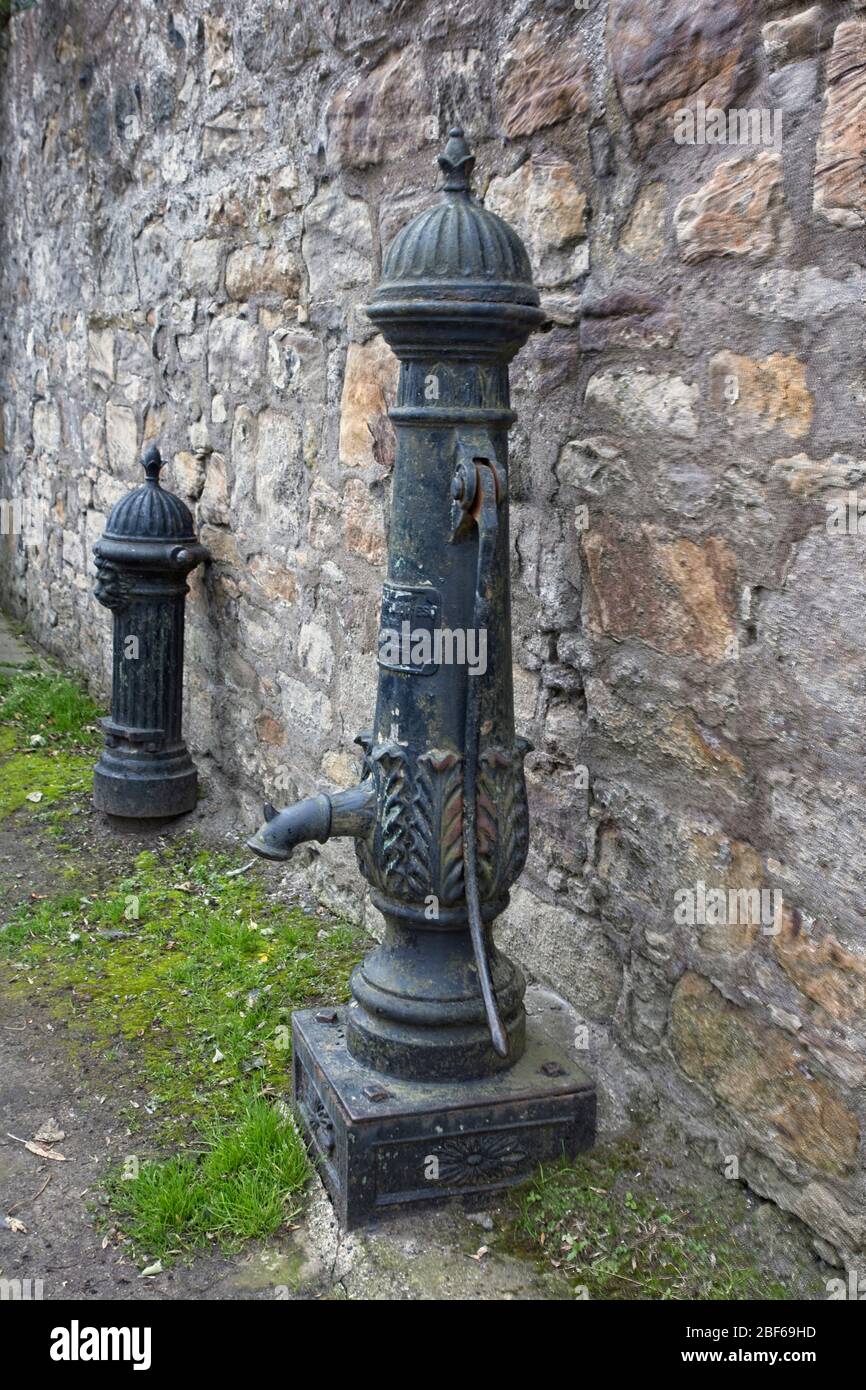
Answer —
(15, 1225)
(43, 1151)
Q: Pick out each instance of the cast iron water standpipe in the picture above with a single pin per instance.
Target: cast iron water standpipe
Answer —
(440, 820)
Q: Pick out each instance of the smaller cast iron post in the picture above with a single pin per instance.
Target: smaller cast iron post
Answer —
(143, 559)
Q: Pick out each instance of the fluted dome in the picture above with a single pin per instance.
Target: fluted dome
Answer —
(457, 249)
(150, 513)
(458, 242)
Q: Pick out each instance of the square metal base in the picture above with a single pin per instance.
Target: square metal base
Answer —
(380, 1142)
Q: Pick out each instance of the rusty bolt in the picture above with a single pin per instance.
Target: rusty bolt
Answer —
(376, 1094)
(552, 1069)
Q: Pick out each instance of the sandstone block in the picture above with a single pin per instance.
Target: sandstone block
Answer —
(639, 400)
(761, 395)
(47, 430)
(386, 113)
(233, 130)
(337, 243)
(233, 351)
(644, 232)
(667, 55)
(542, 201)
(675, 594)
(219, 64)
(797, 36)
(763, 1076)
(200, 264)
(363, 523)
(840, 158)
(100, 356)
(736, 213)
(121, 436)
(541, 82)
(316, 650)
(254, 270)
(833, 977)
(369, 388)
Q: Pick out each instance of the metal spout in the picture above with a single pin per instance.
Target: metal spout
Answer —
(316, 818)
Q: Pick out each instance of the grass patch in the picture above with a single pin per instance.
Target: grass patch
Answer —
(245, 1184)
(176, 977)
(595, 1221)
(46, 704)
(189, 967)
(182, 979)
(46, 723)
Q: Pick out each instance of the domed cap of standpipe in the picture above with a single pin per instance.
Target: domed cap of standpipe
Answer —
(150, 513)
(456, 268)
(151, 527)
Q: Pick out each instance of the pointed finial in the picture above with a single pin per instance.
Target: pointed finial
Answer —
(456, 162)
(152, 464)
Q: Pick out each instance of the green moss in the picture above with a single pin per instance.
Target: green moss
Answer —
(47, 775)
(46, 721)
(289, 1265)
(195, 971)
(598, 1220)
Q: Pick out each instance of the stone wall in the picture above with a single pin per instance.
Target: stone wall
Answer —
(195, 202)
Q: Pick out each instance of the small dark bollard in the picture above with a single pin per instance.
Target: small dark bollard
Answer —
(142, 563)
(433, 1083)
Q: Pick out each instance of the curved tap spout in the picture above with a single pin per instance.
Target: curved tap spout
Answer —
(283, 830)
(317, 818)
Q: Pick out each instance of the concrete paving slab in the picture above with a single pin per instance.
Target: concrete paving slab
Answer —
(13, 650)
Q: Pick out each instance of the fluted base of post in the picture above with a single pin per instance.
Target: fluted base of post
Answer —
(136, 785)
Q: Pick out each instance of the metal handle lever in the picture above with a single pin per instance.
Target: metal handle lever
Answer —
(484, 511)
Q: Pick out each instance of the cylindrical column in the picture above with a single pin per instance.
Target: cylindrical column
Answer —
(419, 1009)
(456, 303)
